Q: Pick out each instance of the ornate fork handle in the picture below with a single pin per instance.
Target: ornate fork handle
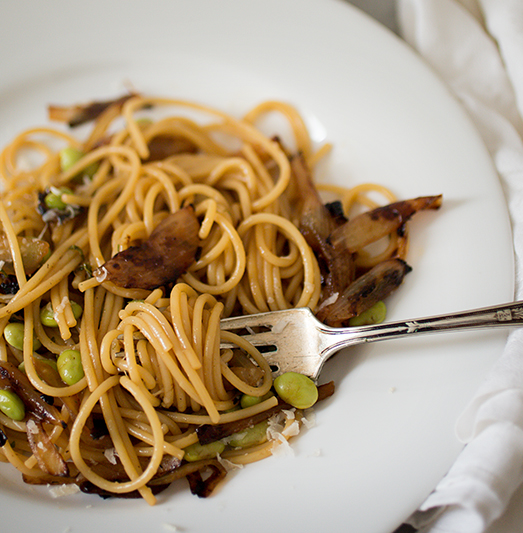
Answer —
(500, 315)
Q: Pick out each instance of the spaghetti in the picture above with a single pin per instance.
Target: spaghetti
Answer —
(152, 371)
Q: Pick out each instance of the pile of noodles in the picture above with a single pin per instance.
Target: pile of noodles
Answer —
(154, 371)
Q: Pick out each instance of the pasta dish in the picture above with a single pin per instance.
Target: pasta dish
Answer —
(120, 253)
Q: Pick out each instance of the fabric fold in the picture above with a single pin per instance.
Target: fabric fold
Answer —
(476, 47)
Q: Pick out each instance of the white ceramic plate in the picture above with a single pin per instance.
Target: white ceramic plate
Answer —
(386, 438)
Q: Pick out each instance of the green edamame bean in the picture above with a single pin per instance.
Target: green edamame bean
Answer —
(53, 200)
(375, 315)
(47, 314)
(247, 400)
(256, 434)
(69, 364)
(11, 405)
(39, 362)
(77, 309)
(296, 389)
(70, 155)
(198, 452)
(14, 335)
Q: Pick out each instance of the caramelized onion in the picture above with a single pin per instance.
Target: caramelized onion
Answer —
(163, 146)
(316, 223)
(33, 253)
(46, 453)
(75, 115)
(11, 377)
(370, 226)
(367, 290)
(162, 258)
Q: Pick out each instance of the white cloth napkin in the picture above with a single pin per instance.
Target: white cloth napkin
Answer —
(476, 47)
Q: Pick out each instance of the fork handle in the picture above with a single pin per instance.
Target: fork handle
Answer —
(503, 315)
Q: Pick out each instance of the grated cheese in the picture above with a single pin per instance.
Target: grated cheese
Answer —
(292, 429)
(100, 274)
(289, 413)
(228, 465)
(60, 308)
(309, 420)
(57, 491)
(330, 300)
(31, 427)
(281, 447)
(110, 455)
(315, 453)
(275, 429)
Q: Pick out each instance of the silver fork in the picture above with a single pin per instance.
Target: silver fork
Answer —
(294, 340)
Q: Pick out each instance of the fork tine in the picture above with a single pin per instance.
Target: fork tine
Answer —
(249, 323)
(265, 338)
(252, 321)
(290, 341)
